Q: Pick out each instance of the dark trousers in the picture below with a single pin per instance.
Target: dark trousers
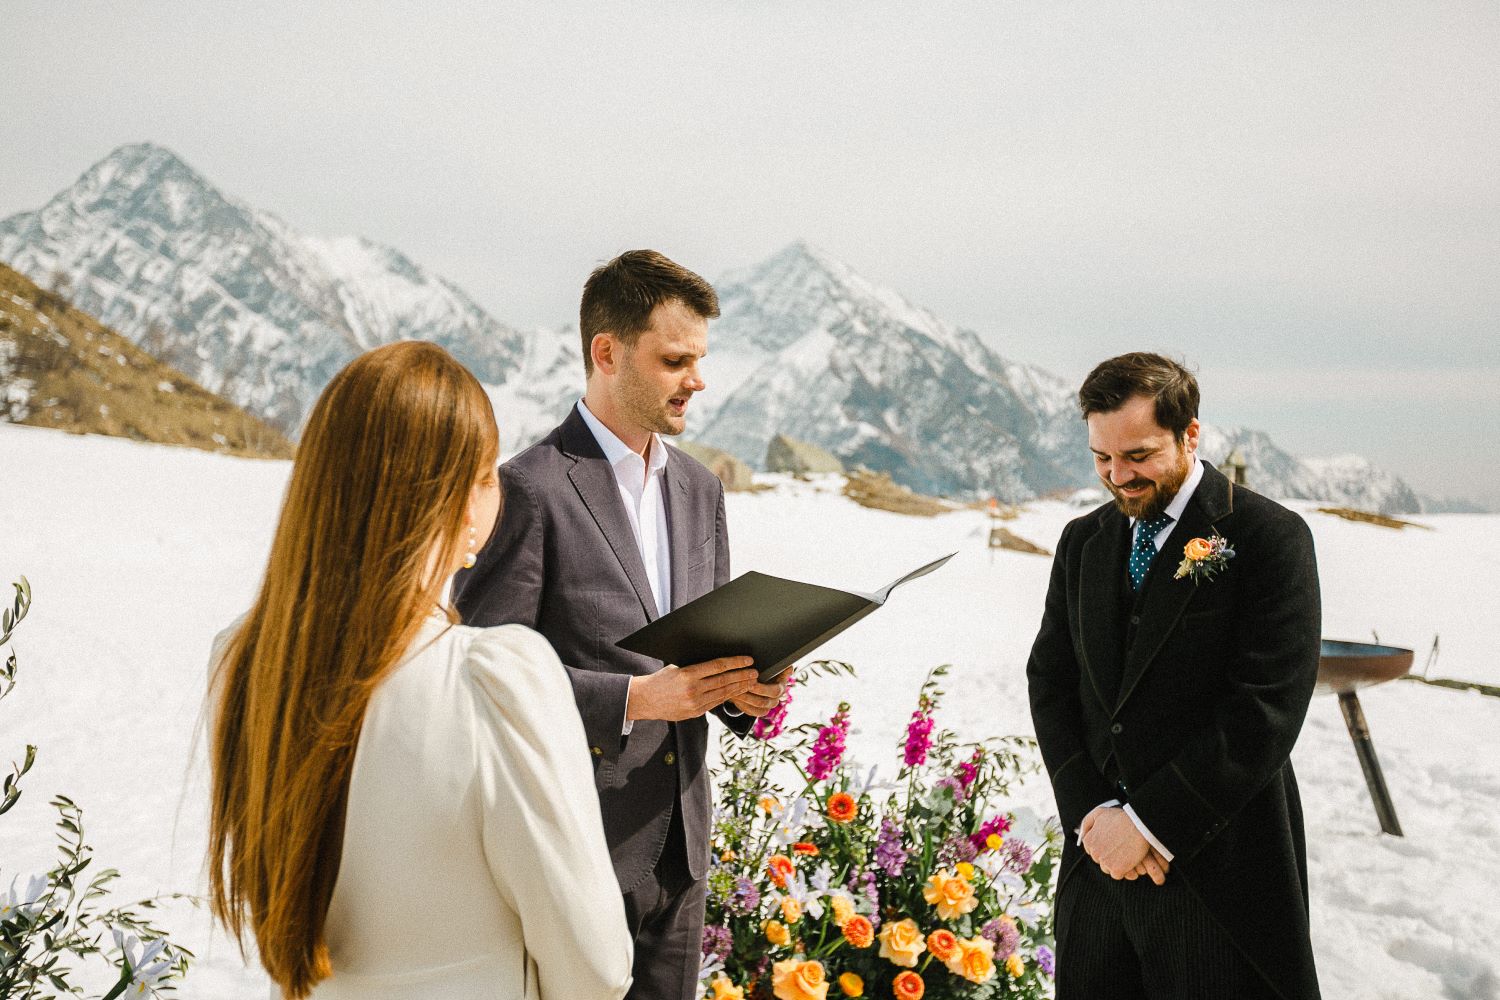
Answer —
(665, 914)
(1141, 941)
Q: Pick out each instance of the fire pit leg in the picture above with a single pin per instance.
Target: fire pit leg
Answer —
(1364, 747)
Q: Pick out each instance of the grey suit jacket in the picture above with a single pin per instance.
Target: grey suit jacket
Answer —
(563, 561)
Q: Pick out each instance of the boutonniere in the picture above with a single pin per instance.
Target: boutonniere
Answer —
(1204, 558)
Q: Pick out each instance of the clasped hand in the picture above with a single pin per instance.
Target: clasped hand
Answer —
(1118, 848)
(676, 693)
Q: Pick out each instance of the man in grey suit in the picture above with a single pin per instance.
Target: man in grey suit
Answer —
(604, 528)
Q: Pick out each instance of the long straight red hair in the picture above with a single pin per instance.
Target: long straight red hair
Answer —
(374, 514)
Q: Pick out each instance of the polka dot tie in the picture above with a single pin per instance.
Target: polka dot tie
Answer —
(1144, 549)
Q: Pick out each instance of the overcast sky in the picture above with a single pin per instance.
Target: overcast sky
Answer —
(1303, 200)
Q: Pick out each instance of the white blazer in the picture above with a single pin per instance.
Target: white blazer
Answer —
(474, 865)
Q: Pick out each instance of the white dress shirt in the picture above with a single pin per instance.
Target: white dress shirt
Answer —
(1174, 511)
(639, 482)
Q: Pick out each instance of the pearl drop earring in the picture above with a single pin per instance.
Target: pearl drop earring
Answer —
(470, 558)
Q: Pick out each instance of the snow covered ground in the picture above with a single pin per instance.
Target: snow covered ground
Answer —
(138, 554)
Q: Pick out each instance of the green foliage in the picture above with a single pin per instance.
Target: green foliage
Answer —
(60, 919)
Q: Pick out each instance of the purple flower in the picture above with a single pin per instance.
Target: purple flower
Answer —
(957, 849)
(746, 896)
(1004, 933)
(828, 748)
(993, 825)
(1045, 960)
(955, 785)
(768, 726)
(919, 734)
(890, 855)
(718, 942)
(1017, 856)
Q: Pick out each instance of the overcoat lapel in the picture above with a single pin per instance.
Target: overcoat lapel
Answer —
(595, 482)
(680, 536)
(1101, 578)
(1165, 597)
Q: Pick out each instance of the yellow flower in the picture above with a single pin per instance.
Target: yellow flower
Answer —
(776, 932)
(768, 803)
(843, 909)
(727, 856)
(974, 960)
(993, 841)
(726, 990)
(901, 942)
(965, 871)
(851, 984)
(951, 894)
(1015, 966)
(797, 980)
(791, 909)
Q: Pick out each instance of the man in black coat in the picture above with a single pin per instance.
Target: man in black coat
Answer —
(605, 528)
(1167, 692)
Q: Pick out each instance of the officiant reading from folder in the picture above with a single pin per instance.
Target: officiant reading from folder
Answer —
(606, 528)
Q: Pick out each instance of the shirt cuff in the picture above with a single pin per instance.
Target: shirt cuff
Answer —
(729, 709)
(627, 723)
(1103, 805)
(1140, 826)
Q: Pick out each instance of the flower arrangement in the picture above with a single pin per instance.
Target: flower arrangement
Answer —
(830, 882)
(1204, 558)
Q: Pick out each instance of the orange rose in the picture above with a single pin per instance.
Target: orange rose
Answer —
(1198, 549)
(943, 944)
(975, 960)
(803, 847)
(901, 942)
(776, 932)
(860, 933)
(791, 909)
(852, 985)
(779, 868)
(908, 986)
(726, 990)
(798, 980)
(1015, 966)
(841, 807)
(951, 894)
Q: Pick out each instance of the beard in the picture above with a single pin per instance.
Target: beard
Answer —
(1160, 493)
(641, 402)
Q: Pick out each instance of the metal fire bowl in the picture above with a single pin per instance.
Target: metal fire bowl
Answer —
(1347, 666)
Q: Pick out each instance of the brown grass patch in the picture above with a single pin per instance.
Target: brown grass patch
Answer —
(1367, 517)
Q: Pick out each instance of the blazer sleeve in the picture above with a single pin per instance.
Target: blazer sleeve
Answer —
(542, 833)
(1250, 736)
(740, 724)
(506, 586)
(1053, 680)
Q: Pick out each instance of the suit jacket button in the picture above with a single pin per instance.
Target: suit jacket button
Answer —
(596, 751)
(1117, 729)
(1135, 619)
(670, 758)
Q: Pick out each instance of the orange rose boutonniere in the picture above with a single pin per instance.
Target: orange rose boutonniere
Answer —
(1204, 558)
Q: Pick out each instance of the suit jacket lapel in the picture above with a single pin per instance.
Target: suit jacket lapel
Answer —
(1101, 579)
(1165, 597)
(595, 482)
(674, 493)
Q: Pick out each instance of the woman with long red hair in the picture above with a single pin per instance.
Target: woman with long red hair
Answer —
(403, 806)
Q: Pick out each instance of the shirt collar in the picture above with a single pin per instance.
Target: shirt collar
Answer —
(1179, 503)
(615, 450)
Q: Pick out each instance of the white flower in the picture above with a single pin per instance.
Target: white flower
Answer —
(25, 904)
(146, 970)
(788, 821)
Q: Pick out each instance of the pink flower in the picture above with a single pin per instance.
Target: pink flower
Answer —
(768, 726)
(919, 734)
(828, 748)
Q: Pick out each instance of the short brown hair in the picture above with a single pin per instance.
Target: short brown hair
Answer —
(619, 296)
(1168, 384)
